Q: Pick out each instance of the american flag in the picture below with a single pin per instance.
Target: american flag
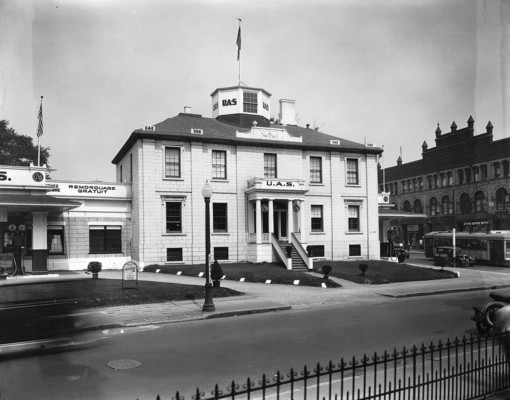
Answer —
(238, 42)
(40, 127)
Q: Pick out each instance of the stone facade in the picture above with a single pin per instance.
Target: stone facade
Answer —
(261, 185)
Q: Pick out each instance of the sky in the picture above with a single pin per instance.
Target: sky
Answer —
(377, 71)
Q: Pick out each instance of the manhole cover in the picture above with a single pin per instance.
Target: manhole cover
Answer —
(123, 364)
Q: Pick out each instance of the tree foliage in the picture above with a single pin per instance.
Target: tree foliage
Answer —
(19, 150)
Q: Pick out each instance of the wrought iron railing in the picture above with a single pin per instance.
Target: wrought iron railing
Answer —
(467, 368)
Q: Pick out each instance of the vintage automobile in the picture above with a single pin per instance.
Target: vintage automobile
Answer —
(444, 257)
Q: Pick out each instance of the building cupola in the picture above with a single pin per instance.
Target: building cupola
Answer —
(241, 106)
(424, 146)
(453, 127)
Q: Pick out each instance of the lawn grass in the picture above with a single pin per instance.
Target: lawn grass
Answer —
(381, 272)
(109, 292)
(251, 272)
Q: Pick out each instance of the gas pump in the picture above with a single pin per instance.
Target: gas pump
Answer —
(18, 241)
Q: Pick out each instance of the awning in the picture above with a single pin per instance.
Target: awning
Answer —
(27, 203)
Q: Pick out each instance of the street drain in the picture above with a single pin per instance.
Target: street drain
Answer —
(123, 364)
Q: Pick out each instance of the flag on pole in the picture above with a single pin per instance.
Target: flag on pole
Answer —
(40, 127)
(238, 42)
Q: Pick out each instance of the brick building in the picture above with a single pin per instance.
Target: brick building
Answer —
(462, 182)
(274, 183)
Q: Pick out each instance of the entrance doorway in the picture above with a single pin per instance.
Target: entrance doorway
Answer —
(280, 224)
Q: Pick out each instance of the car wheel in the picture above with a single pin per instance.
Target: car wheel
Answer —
(490, 314)
(482, 327)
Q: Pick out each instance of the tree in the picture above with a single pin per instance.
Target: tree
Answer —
(19, 150)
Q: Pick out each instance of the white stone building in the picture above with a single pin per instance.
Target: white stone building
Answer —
(274, 184)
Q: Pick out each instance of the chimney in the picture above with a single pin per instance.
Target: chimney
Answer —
(187, 110)
(288, 112)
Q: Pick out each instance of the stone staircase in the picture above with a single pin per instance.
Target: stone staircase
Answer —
(298, 263)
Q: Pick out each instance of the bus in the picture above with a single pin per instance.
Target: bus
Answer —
(492, 248)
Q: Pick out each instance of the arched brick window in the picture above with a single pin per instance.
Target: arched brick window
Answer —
(446, 205)
(406, 206)
(465, 204)
(502, 201)
(417, 206)
(433, 206)
(480, 201)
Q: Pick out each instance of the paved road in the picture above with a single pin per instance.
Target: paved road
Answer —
(202, 353)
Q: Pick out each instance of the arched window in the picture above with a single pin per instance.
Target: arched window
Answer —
(446, 205)
(502, 201)
(417, 206)
(406, 206)
(433, 206)
(465, 204)
(479, 201)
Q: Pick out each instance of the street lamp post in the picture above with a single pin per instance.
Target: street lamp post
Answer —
(208, 303)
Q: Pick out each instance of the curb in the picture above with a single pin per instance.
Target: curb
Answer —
(444, 291)
(246, 312)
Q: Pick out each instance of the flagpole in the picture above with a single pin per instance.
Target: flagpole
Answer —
(39, 133)
(238, 42)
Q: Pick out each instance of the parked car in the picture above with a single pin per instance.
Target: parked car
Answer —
(444, 257)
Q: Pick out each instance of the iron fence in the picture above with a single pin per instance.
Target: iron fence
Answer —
(467, 368)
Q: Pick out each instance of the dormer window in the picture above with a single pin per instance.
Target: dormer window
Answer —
(250, 104)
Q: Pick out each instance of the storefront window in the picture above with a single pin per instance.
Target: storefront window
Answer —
(105, 239)
(55, 239)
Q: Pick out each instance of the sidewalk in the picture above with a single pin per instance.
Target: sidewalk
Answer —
(260, 297)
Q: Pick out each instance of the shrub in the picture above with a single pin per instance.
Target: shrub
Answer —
(95, 267)
(289, 251)
(216, 271)
(326, 270)
(363, 268)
